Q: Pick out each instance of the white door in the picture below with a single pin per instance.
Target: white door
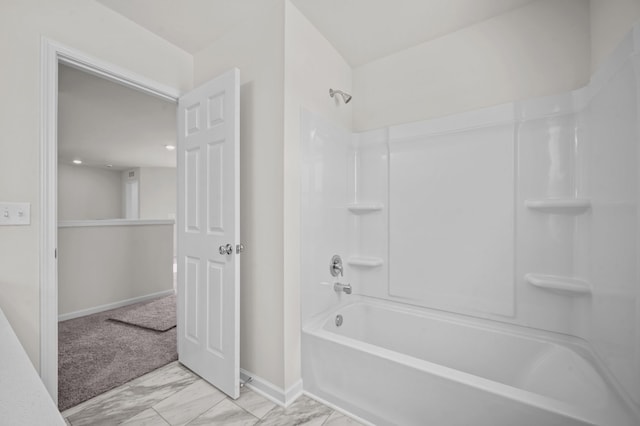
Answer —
(209, 231)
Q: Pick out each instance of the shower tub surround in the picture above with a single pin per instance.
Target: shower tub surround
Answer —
(520, 221)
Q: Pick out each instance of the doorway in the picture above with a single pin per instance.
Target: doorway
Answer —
(53, 54)
(208, 215)
(116, 209)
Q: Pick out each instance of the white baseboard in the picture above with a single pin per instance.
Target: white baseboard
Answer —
(338, 409)
(101, 308)
(293, 393)
(273, 393)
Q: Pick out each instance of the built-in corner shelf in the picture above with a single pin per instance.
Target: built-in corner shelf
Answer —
(562, 285)
(559, 205)
(366, 262)
(361, 208)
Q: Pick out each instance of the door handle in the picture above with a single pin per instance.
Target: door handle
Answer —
(228, 249)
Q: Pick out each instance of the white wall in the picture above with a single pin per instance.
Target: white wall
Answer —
(537, 50)
(157, 192)
(88, 193)
(610, 21)
(256, 47)
(101, 265)
(311, 67)
(97, 31)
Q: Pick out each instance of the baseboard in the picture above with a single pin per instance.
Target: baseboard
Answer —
(101, 308)
(273, 393)
(338, 409)
(293, 393)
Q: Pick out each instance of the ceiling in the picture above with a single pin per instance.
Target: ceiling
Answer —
(101, 122)
(191, 25)
(361, 30)
(365, 30)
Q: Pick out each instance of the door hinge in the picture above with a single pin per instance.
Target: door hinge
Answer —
(239, 248)
(55, 253)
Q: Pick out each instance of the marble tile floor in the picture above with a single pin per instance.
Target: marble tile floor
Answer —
(173, 395)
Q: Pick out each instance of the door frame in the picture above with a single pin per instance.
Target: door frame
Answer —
(52, 54)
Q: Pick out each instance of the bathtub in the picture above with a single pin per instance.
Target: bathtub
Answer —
(394, 365)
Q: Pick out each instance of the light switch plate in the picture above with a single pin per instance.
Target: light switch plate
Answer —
(15, 214)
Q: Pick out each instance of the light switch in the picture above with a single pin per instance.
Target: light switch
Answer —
(15, 214)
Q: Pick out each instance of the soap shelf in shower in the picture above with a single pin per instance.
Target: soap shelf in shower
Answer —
(367, 262)
(361, 208)
(559, 205)
(559, 284)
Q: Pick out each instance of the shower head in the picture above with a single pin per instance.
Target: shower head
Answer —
(345, 96)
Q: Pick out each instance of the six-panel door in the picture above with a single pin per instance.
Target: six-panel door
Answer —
(208, 225)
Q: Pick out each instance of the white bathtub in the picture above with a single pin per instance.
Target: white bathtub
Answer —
(393, 365)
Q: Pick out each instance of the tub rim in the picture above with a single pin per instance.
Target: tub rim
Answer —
(578, 344)
(315, 327)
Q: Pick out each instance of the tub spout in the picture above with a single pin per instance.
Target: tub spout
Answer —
(345, 288)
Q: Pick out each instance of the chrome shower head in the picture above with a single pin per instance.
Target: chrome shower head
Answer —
(346, 98)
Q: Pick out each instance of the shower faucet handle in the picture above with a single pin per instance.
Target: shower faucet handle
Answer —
(335, 267)
(345, 288)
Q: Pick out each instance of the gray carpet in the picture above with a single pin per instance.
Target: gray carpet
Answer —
(96, 354)
(158, 315)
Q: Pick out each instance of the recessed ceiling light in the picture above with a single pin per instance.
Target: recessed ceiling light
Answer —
(109, 166)
(77, 161)
(170, 147)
